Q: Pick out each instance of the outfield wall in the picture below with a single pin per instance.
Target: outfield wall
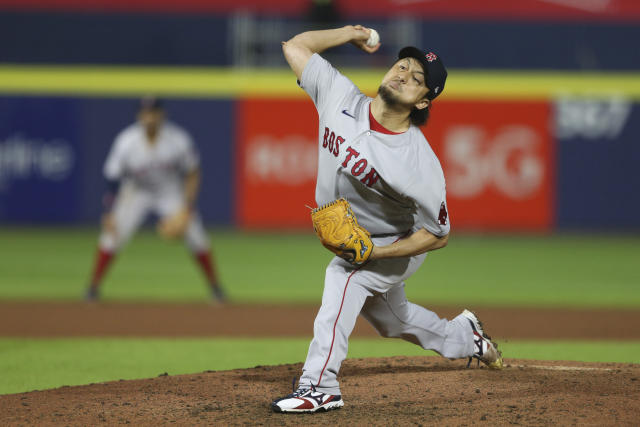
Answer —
(520, 151)
(510, 164)
(52, 150)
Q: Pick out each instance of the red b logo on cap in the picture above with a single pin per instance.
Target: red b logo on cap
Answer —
(431, 57)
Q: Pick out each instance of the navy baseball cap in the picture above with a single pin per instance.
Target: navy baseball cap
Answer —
(151, 103)
(433, 67)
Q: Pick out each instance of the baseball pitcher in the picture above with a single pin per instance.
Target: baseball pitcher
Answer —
(382, 207)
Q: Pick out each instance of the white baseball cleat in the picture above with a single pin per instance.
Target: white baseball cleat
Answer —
(307, 400)
(485, 350)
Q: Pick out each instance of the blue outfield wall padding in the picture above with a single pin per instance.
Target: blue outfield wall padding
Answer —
(52, 151)
(203, 39)
(41, 165)
(598, 158)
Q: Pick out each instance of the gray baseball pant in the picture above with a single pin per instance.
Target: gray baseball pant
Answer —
(377, 292)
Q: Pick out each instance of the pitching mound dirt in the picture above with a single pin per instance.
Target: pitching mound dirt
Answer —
(398, 390)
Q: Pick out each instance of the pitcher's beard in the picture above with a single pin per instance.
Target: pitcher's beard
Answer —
(388, 97)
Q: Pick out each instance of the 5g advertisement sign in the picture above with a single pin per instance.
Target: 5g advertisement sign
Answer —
(498, 160)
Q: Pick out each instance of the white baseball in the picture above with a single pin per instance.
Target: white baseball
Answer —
(374, 38)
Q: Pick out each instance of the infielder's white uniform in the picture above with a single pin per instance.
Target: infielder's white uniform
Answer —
(152, 181)
(395, 186)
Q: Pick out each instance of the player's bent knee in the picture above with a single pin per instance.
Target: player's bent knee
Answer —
(109, 243)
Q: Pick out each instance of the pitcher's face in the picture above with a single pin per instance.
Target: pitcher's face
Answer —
(404, 85)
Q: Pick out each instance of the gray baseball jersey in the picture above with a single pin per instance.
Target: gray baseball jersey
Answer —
(152, 181)
(159, 167)
(396, 186)
(393, 182)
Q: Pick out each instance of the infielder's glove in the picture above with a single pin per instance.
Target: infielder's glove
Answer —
(174, 226)
(338, 230)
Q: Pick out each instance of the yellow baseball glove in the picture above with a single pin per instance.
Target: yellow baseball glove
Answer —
(338, 230)
(174, 226)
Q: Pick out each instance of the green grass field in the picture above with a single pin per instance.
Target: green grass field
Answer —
(565, 270)
(53, 264)
(37, 364)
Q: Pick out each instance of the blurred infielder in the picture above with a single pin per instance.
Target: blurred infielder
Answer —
(153, 167)
(372, 153)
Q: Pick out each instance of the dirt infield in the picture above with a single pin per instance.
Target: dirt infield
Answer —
(73, 319)
(398, 390)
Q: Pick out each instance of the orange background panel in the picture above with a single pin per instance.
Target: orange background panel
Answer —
(276, 162)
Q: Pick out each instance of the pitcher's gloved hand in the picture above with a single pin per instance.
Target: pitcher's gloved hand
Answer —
(338, 230)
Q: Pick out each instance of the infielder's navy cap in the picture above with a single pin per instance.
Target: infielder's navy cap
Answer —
(432, 64)
(151, 103)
